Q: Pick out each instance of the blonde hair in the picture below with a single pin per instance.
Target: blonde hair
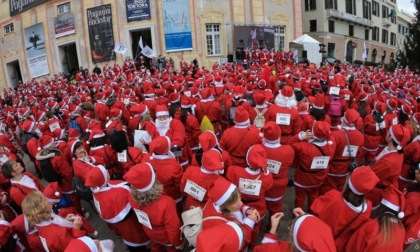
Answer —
(231, 200)
(145, 198)
(34, 207)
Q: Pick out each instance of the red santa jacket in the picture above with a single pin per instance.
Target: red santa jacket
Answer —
(134, 124)
(213, 110)
(106, 153)
(5, 141)
(134, 156)
(412, 217)
(411, 156)
(289, 122)
(28, 237)
(64, 169)
(20, 189)
(102, 112)
(82, 166)
(192, 131)
(151, 105)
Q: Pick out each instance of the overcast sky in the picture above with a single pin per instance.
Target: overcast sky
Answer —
(406, 5)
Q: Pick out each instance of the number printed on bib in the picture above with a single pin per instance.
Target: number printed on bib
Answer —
(320, 162)
(250, 186)
(273, 166)
(122, 156)
(334, 90)
(283, 119)
(353, 151)
(143, 218)
(395, 121)
(54, 126)
(194, 190)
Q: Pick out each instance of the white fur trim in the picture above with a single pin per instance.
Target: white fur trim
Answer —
(238, 231)
(390, 205)
(226, 195)
(353, 189)
(296, 229)
(89, 242)
(152, 181)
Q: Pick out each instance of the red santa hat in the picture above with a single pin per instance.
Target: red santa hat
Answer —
(28, 125)
(39, 115)
(73, 133)
(406, 109)
(115, 113)
(317, 102)
(73, 109)
(238, 91)
(72, 144)
(52, 104)
(138, 109)
(207, 140)
(97, 177)
(362, 96)
(59, 133)
(23, 112)
(256, 157)
(260, 100)
(320, 130)
(52, 192)
(82, 244)
(45, 142)
(400, 135)
(391, 104)
(351, 116)
(362, 180)
(379, 107)
(160, 145)
(287, 92)
(88, 115)
(416, 118)
(162, 110)
(174, 97)
(241, 116)
(221, 191)
(312, 234)
(186, 102)
(394, 199)
(303, 108)
(206, 93)
(95, 133)
(141, 176)
(212, 160)
(271, 132)
(225, 237)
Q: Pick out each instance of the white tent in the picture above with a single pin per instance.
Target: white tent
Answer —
(310, 45)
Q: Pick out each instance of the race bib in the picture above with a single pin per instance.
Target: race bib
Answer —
(143, 218)
(54, 126)
(122, 156)
(283, 119)
(320, 162)
(380, 125)
(347, 97)
(194, 190)
(334, 91)
(353, 151)
(273, 166)
(395, 121)
(250, 186)
(44, 243)
(97, 205)
(187, 93)
(126, 101)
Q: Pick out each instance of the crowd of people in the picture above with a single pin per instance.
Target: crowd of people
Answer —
(208, 151)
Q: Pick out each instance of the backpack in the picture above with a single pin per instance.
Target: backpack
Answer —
(412, 172)
(73, 124)
(250, 99)
(232, 111)
(193, 221)
(118, 140)
(47, 170)
(81, 190)
(335, 108)
(206, 124)
(259, 120)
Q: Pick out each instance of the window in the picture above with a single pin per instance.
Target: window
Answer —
(375, 33)
(351, 7)
(63, 8)
(310, 5)
(351, 30)
(331, 4)
(375, 8)
(393, 39)
(384, 36)
(366, 34)
(213, 39)
(367, 12)
(312, 25)
(331, 27)
(331, 49)
(8, 29)
(399, 29)
(279, 34)
(385, 11)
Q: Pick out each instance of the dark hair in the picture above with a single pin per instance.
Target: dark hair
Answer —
(97, 141)
(352, 198)
(7, 168)
(77, 145)
(184, 114)
(402, 117)
(173, 108)
(318, 114)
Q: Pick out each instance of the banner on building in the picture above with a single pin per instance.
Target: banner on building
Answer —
(177, 25)
(254, 37)
(137, 10)
(35, 50)
(18, 6)
(101, 35)
(64, 25)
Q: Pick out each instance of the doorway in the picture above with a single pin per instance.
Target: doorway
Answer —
(14, 73)
(68, 58)
(349, 51)
(146, 36)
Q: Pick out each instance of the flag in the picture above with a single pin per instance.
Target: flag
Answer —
(364, 55)
(141, 43)
(119, 48)
(148, 52)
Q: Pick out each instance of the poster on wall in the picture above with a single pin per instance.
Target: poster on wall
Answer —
(35, 50)
(254, 37)
(101, 35)
(18, 6)
(177, 25)
(64, 25)
(137, 10)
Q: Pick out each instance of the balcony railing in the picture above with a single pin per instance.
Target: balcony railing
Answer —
(349, 17)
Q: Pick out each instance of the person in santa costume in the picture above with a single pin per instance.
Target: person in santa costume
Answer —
(82, 163)
(224, 237)
(411, 157)
(190, 122)
(155, 211)
(87, 244)
(225, 202)
(26, 234)
(111, 200)
(349, 144)
(140, 120)
(211, 108)
(312, 158)
(411, 214)
(30, 141)
(114, 121)
(238, 139)
(55, 232)
(101, 109)
(197, 180)
(350, 205)
(168, 170)
(284, 112)
(389, 162)
(385, 231)
(22, 183)
(372, 124)
(278, 165)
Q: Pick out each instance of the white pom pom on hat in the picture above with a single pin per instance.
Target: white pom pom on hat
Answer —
(57, 194)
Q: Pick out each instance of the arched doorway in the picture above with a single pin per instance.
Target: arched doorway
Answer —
(374, 53)
(392, 58)
(349, 51)
(383, 56)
